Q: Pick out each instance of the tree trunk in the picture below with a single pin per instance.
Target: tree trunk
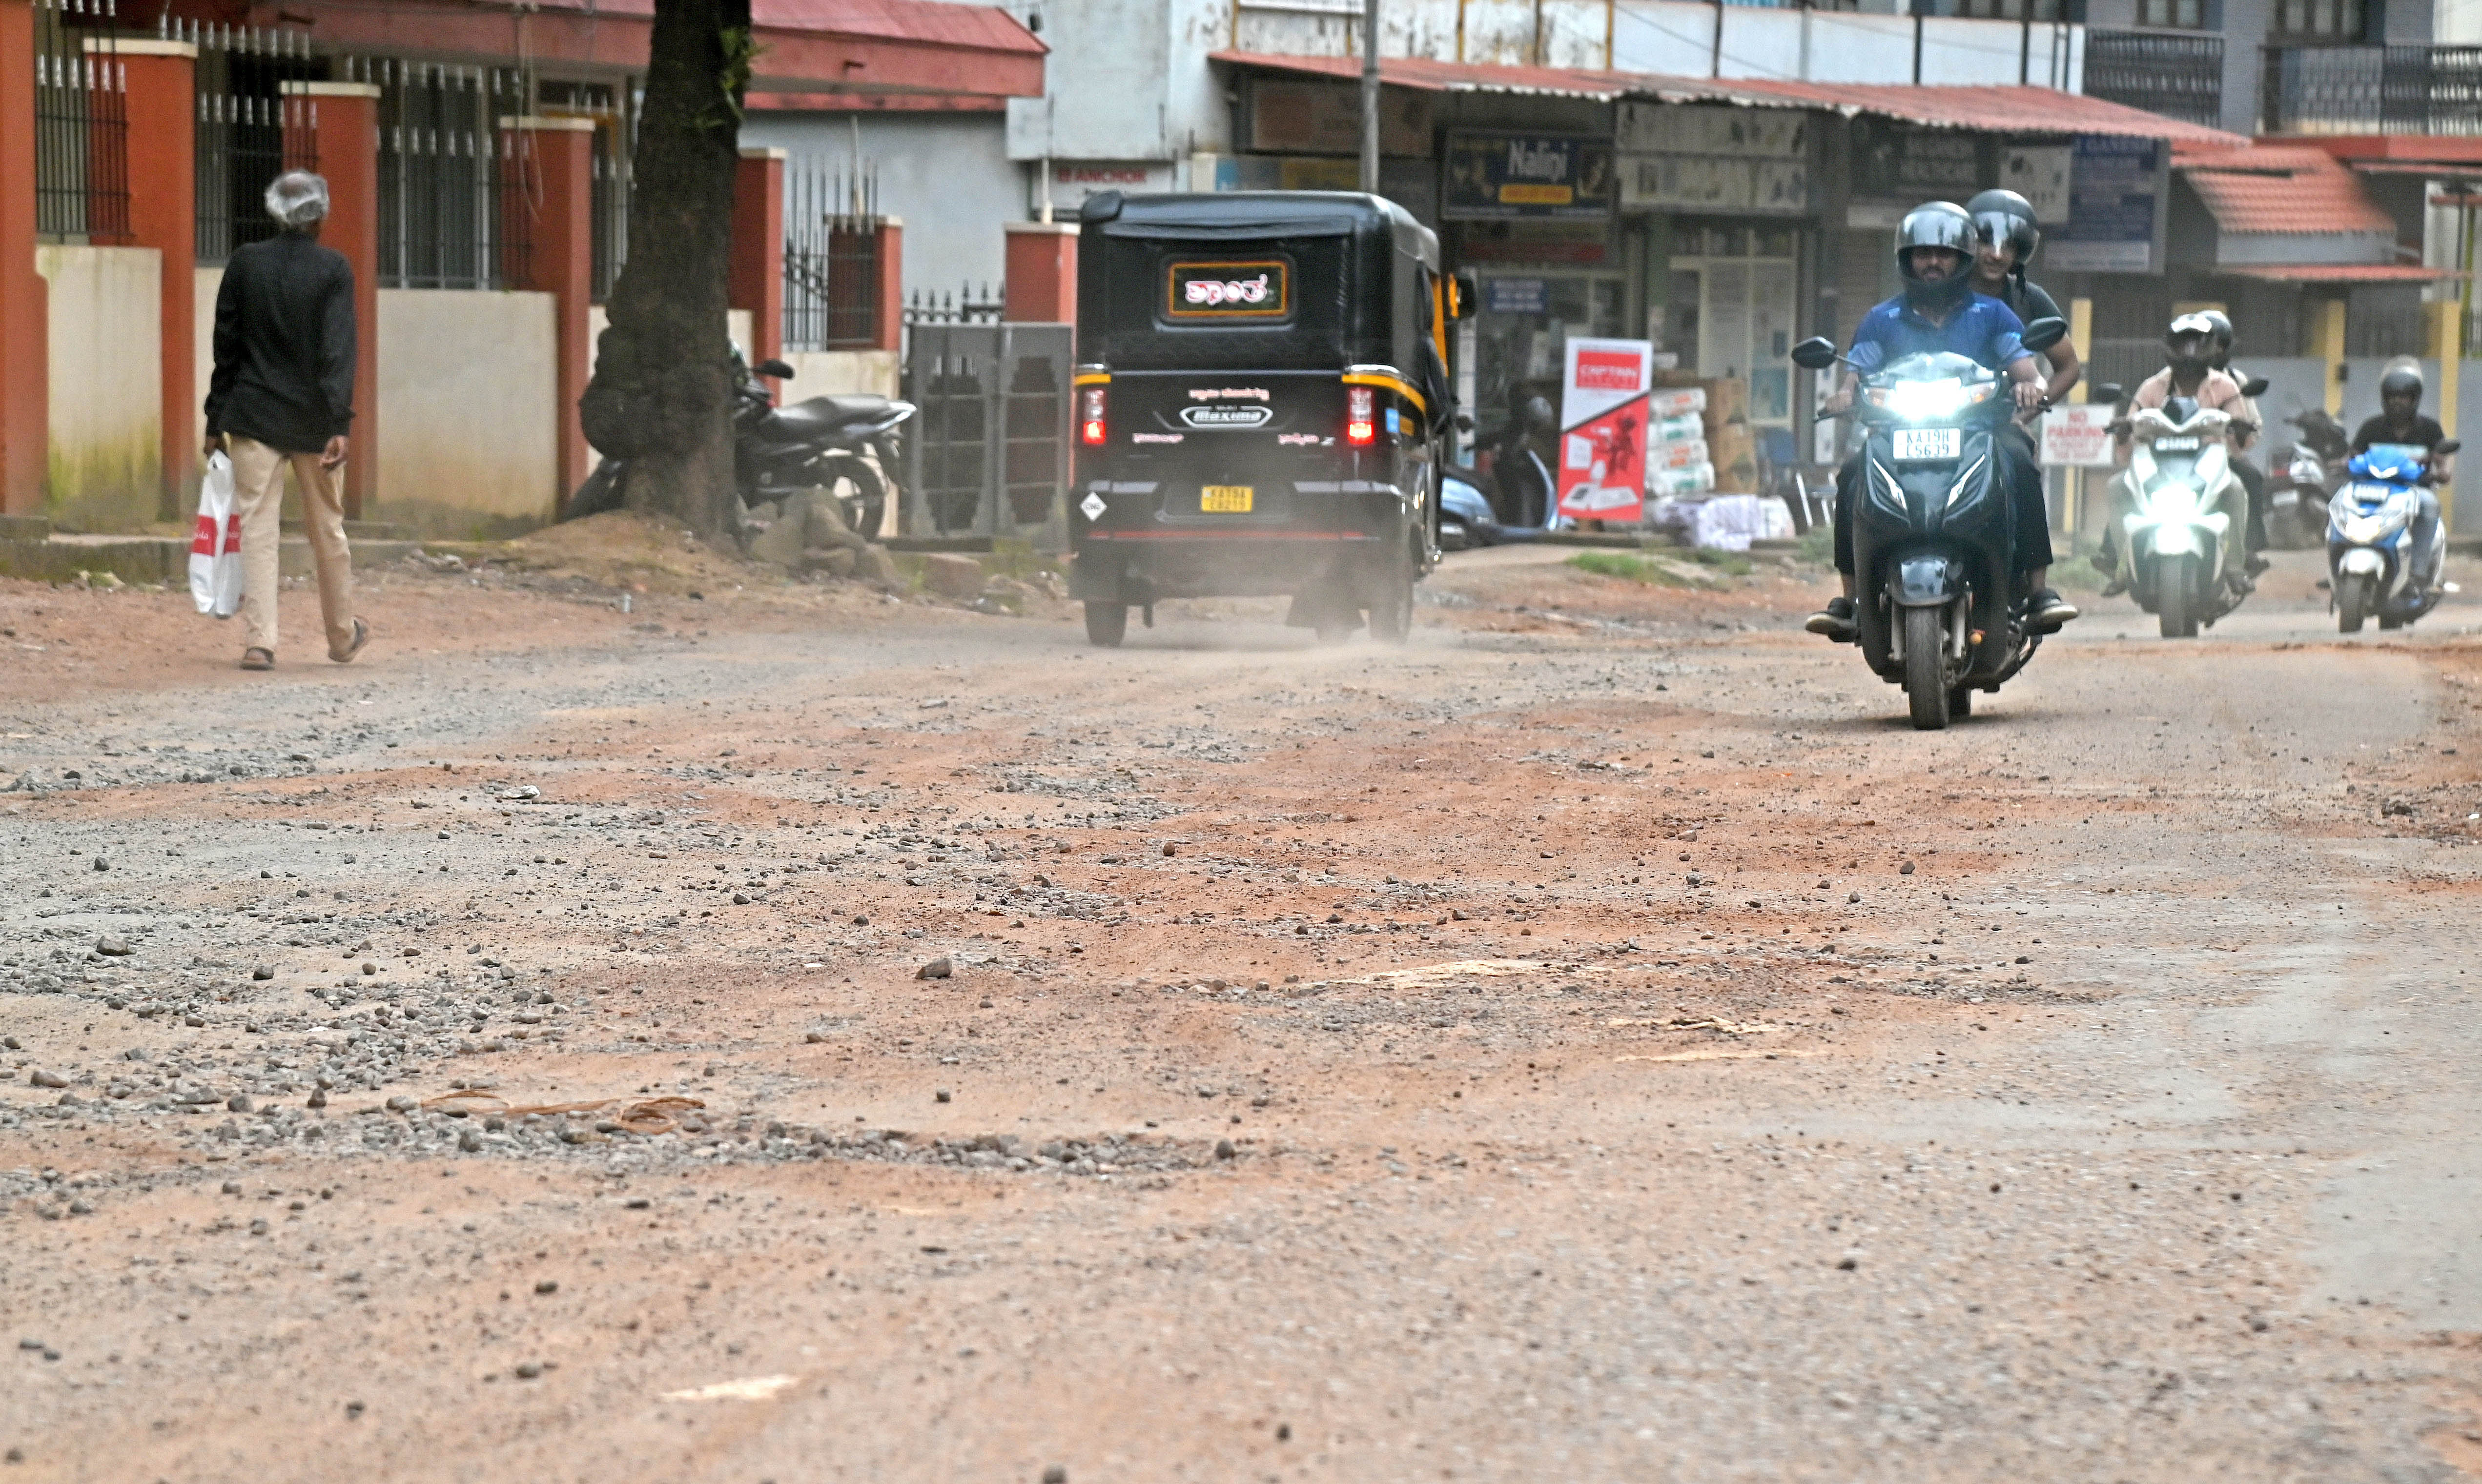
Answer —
(661, 395)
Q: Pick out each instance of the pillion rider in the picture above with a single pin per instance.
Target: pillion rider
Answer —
(1940, 311)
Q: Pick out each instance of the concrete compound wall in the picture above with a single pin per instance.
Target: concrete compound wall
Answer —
(837, 373)
(468, 406)
(1678, 38)
(105, 472)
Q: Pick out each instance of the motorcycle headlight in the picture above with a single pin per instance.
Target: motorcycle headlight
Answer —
(2172, 499)
(2368, 530)
(1924, 401)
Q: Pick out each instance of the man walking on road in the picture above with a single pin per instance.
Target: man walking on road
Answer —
(284, 394)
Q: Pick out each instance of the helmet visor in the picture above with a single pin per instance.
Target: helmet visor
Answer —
(1997, 229)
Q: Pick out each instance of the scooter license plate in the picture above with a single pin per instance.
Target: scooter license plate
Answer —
(1923, 443)
(1227, 499)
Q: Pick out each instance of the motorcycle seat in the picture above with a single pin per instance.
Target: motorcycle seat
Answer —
(826, 414)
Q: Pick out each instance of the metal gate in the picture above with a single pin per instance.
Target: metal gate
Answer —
(988, 455)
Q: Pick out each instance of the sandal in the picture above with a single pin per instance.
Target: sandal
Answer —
(259, 659)
(362, 637)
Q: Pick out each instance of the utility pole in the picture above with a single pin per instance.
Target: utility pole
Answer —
(1370, 96)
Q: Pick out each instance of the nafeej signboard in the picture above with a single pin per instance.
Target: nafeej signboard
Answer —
(2118, 191)
(1494, 177)
(1603, 393)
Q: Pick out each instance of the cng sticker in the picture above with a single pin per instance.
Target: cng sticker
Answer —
(1092, 505)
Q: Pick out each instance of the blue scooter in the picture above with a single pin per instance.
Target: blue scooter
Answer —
(2372, 562)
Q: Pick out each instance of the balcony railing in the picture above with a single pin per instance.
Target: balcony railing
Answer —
(2373, 89)
(2178, 77)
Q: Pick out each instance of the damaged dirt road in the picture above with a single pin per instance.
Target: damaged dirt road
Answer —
(737, 1040)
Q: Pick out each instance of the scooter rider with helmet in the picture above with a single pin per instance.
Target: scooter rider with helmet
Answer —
(2400, 420)
(1940, 311)
(2219, 355)
(2186, 343)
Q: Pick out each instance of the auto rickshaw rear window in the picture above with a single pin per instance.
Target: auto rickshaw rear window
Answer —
(1257, 290)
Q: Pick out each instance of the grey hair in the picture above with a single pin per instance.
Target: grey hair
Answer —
(298, 199)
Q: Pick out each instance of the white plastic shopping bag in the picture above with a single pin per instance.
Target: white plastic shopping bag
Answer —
(215, 545)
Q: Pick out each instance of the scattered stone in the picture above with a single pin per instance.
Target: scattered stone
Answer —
(403, 1104)
(318, 1098)
(1224, 1150)
(527, 1371)
(1056, 1474)
(952, 574)
(547, 1285)
(240, 1103)
(935, 969)
(1905, 869)
(100, 864)
(941, 1096)
(1168, 849)
(43, 1078)
(113, 947)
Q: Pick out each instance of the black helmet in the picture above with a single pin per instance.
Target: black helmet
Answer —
(1935, 224)
(2219, 337)
(2003, 216)
(2191, 340)
(2401, 381)
(1538, 416)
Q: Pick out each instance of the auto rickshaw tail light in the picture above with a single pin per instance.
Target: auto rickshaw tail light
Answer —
(1360, 425)
(1090, 422)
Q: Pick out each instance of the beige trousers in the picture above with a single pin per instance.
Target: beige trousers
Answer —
(259, 492)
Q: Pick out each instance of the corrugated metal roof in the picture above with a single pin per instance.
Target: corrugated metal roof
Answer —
(2281, 188)
(1999, 110)
(921, 22)
(2341, 273)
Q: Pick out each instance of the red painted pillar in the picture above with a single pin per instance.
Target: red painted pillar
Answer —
(25, 305)
(759, 249)
(890, 319)
(1042, 272)
(557, 161)
(163, 214)
(341, 121)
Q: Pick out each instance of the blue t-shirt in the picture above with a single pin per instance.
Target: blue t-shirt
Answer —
(1983, 329)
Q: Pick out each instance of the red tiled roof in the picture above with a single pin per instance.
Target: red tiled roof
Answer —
(2339, 272)
(2000, 109)
(2282, 188)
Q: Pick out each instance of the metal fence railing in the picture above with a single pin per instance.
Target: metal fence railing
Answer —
(2372, 90)
(2178, 77)
(831, 267)
(970, 304)
(249, 132)
(81, 124)
(443, 192)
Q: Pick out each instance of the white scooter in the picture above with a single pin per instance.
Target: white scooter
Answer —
(2181, 514)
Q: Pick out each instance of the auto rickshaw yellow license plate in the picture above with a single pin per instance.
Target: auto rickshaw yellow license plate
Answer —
(1225, 499)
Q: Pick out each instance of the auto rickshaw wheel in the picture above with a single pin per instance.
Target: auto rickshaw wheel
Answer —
(1391, 603)
(1107, 624)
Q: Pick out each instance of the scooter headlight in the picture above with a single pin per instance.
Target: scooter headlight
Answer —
(2172, 499)
(1929, 402)
(2360, 529)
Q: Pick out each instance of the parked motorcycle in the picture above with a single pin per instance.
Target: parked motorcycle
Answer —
(2296, 497)
(2370, 555)
(2182, 513)
(1941, 608)
(1467, 520)
(814, 444)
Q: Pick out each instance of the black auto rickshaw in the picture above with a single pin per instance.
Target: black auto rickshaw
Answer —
(1264, 406)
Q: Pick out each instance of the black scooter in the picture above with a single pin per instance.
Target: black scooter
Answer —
(1941, 607)
(815, 444)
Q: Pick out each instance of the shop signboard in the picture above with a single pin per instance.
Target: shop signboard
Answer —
(2040, 173)
(1515, 296)
(1289, 117)
(1735, 161)
(1603, 393)
(1500, 176)
(1893, 162)
(2118, 191)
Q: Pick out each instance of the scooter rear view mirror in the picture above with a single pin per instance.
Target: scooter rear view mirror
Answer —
(2449, 446)
(1816, 354)
(2254, 386)
(2044, 333)
(2109, 391)
(776, 369)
